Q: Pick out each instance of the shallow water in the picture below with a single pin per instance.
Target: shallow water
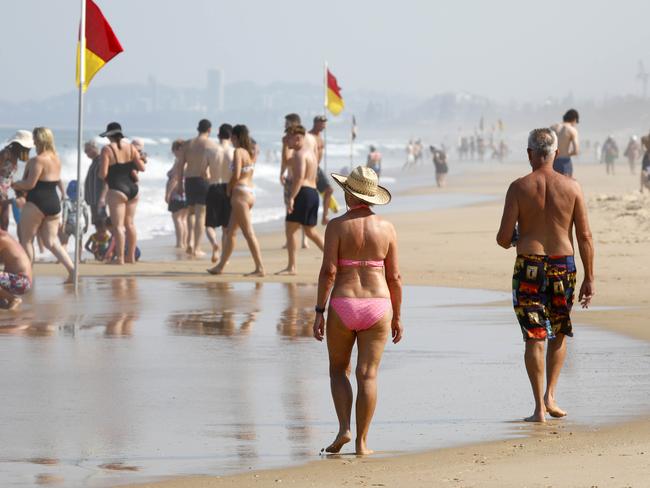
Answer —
(145, 378)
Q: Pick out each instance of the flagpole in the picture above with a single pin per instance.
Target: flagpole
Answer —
(82, 80)
(325, 115)
(352, 144)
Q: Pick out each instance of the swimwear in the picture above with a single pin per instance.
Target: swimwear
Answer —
(120, 177)
(645, 164)
(15, 283)
(176, 203)
(542, 295)
(45, 197)
(563, 165)
(359, 314)
(217, 206)
(305, 207)
(322, 182)
(196, 190)
(246, 188)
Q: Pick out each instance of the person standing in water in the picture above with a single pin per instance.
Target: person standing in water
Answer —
(568, 144)
(541, 212)
(360, 277)
(119, 166)
(41, 214)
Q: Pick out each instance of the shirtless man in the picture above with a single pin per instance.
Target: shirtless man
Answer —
(302, 202)
(217, 213)
(193, 162)
(645, 163)
(568, 145)
(322, 184)
(540, 214)
(286, 179)
(16, 279)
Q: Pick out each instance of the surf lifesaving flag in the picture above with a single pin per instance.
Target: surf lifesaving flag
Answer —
(334, 100)
(101, 43)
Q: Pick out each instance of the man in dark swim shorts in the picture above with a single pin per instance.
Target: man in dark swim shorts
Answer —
(541, 212)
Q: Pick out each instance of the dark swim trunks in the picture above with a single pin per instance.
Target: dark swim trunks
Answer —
(217, 206)
(542, 294)
(196, 190)
(564, 166)
(305, 207)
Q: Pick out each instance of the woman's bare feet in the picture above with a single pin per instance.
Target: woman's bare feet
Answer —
(362, 448)
(538, 416)
(341, 440)
(69, 280)
(287, 272)
(258, 272)
(217, 270)
(553, 409)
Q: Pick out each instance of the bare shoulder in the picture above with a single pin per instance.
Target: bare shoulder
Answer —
(386, 225)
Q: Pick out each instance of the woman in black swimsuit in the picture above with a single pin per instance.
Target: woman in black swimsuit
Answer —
(41, 215)
(119, 166)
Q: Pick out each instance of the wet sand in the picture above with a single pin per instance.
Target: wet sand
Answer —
(443, 251)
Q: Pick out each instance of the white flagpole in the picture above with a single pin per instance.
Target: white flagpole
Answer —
(352, 135)
(82, 80)
(325, 114)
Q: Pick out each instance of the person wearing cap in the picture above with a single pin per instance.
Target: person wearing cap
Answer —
(41, 214)
(193, 162)
(302, 202)
(360, 277)
(120, 161)
(16, 148)
(322, 184)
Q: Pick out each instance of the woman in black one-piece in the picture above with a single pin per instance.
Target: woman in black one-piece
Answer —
(120, 162)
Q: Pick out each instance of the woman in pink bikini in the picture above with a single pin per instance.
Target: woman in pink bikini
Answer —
(360, 269)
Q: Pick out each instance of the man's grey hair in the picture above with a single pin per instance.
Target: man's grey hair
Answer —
(91, 143)
(543, 142)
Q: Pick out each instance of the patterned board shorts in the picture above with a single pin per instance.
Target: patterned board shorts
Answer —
(542, 295)
(16, 284)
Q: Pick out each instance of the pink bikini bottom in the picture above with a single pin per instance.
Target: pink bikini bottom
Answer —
(360, 313)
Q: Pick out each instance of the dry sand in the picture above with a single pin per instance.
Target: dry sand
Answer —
(456, 247)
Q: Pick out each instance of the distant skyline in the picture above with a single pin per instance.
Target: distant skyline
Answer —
(504, 49)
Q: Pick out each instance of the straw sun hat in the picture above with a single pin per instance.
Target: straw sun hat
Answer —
(362, 184)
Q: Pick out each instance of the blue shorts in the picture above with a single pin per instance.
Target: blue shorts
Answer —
(563, 166)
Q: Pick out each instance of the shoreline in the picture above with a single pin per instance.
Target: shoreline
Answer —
(438, 256)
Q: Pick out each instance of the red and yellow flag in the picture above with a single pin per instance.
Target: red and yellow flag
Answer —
(334, 100)
(101, 43)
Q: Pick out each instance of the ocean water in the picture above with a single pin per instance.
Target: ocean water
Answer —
(153, 220)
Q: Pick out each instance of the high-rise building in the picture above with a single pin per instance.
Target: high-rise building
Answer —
(214, 91)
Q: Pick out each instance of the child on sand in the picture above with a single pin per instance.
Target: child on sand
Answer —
(110, 252)
(16, 278)
(100, 241)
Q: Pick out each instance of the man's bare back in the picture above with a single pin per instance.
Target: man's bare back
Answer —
(13, 256)
(547, 203)
(196, 153)
(567, 141)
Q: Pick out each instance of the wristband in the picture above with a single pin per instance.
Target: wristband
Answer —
(319, 309)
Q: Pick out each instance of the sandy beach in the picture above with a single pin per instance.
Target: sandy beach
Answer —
(456, 248)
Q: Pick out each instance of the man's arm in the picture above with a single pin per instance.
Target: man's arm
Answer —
(575, 144)
(586, 248)
(509, 218)
(298, 174)
(284, 160)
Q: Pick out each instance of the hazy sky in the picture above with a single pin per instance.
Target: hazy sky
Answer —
(505, 49)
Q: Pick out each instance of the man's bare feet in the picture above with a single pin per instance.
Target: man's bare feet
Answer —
(198, 253)
(362, 449)
(286, 272)
(552, 408)
(217, 270)
(339, 442)
(258, 272)
(215, 254)
(539, 417)
(189, 250)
